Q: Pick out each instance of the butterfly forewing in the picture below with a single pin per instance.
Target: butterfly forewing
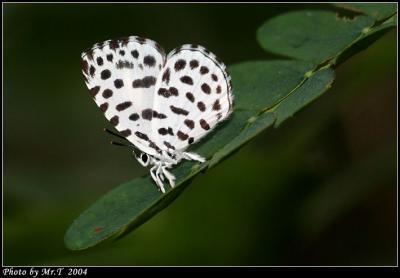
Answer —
(121, 76)
(194, 92)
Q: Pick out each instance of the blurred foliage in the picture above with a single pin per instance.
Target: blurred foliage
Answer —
(321, 189)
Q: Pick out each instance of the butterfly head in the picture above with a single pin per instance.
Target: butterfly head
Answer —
(143, 158)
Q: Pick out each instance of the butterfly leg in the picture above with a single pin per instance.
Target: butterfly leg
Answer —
(156, 179)
(160, 177)
(161, 174)
(170, 177)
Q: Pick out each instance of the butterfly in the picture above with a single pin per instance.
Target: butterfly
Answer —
(160, 104)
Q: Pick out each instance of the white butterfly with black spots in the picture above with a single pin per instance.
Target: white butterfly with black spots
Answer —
(160, 104)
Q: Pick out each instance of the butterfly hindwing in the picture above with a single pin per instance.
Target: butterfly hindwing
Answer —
(194, 92)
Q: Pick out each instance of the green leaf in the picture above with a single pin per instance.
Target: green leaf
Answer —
(313, 88)
(127, 206)
(266, 94)
(132, 203)
(311, 35)
(379, 11)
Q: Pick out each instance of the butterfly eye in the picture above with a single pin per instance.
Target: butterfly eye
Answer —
(144, 158)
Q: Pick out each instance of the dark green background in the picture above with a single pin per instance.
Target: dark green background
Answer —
(319, 190)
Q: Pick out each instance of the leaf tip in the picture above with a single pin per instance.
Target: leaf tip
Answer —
(72, 239)
(70, 242)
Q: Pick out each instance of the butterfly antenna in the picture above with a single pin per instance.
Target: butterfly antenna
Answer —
(137, 153)
(115, 134)
(118, 144)
(122, 145)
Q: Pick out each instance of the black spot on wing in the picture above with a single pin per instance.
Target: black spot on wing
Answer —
(124, 64)
(107, 93)
(114, 120)
(164, 92)
(85, 66)
(166, 76)
(180, 65)
(182, 136)
(124, 105)
(92, 70)
(189, 123)
(134, 117)
(135, 54)
(169, 145)
(204, 70)
(147, 114)
(163, 131)
(187, 80)
(94, 91)
(194, 64)
(142, 136)
(118, 83)
(190, 96)
(179, 111)
(146, 82)
(167, 93)
(149, 60)
(201, 106)
(114, 44)
(104, 107)
(205, 88)
(204, 124)
(173, 91)
(154, 146)
(99, 61)
(216, 105)
(149, 81)
(158, 115)
(105, 74)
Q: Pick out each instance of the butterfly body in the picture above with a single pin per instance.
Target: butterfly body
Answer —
(161, 104)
